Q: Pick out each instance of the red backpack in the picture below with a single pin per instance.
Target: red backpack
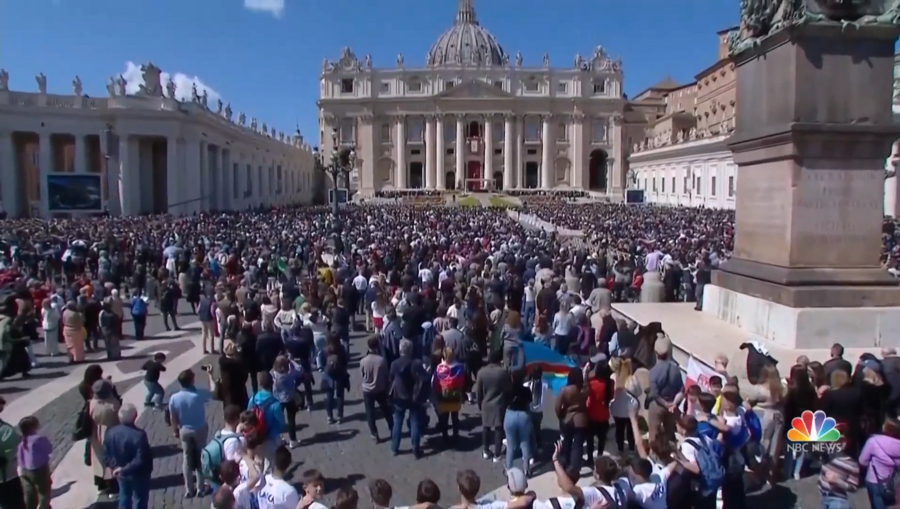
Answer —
(260, 411)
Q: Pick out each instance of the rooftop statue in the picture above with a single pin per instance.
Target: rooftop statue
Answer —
(762, 18)
(242, 118)
(228, 111)
(77, 89)
(111, 87)
(400, 60)
(171, 88)
(121, 85)
(547, 60)
(42, 83)
(518, 59)
(195, 97)
(219, 106)
(204, 99)
(368, 62)
(4, 80)
(151, 75)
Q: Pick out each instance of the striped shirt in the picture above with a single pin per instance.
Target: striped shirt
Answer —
(839, 477)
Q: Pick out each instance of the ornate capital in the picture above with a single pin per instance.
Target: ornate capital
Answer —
(578, 118)
(366, 118)
(547, 117)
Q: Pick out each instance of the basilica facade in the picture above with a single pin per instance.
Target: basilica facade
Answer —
(477, 118)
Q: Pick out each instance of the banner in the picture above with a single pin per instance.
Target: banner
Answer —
(698, 374)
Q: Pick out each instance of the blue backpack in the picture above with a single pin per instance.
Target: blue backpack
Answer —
(712, 474)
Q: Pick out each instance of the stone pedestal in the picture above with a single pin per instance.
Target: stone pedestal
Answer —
(652, 290)
(814, 129)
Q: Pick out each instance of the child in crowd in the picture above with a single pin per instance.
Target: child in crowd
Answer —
(314, 488)
(33, 456)
(152, 369)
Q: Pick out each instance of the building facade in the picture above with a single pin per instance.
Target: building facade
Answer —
(682, 158)
(476, 118)
(65, 155)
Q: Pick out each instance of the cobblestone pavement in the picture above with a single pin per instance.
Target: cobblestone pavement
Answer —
(344, 453)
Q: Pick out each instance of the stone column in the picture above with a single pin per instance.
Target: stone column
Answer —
(225, 184)
(400, 144)
(429, 152)
(440, 153)
(520, 153)
(805, 271)
(578, 152)
(509, 172)
(891, 183)
(45, 160)
(460, 152)
(174, 169)
(610, 171)
(366, 151)
(129, 174)
(487, 171)
(10, 177)
(547, 148)
(81, 161)
(203, 174)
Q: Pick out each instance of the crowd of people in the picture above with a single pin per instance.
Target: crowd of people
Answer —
(447, 296)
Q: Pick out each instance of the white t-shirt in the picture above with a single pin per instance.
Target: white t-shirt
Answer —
(243, 498)
(231, 446)
(652, 495)
(277, 494)
(564, 503)
(593, 496)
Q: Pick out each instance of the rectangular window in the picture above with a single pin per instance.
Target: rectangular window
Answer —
(248, 192)
(414, 86)
(532, 86)
(673, 186)
(712, 187)
(684, 186)
(347, 134)
(698, 187)
(598, 130)
(449, 132)
(663, 184)
(561, 132)
(385, 87)
(654, 184)
(448, 84)
(532, 130)
(415, 129)
(645, 185)
(562, 87)
(599, 87)
(347, 86)
(498, 84)
(385, 133)
(731, 187)
(499, 129)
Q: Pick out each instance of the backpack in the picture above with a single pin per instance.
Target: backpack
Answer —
(712, 474)
(260, 411)
(611, 502)
(212, 455)
(9, 445)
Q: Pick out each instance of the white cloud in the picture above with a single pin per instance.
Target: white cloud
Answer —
(273, 7)
(183, 83)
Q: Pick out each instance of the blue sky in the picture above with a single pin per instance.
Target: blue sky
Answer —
(264, 56)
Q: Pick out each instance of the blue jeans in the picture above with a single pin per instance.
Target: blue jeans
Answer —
(835, 503)
(320, 341)
(878, 496)
(415, 424)
(528, 314)
(517, 425)
(334, 397)
(134, 493)
(794, 463)
(155, 393)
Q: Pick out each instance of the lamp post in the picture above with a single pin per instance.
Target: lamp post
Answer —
(339, 165)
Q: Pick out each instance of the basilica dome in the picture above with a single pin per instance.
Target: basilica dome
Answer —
(466, 42)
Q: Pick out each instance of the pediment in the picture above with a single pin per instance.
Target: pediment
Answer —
(474, 90)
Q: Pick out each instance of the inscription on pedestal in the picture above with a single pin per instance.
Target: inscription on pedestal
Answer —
(763, 215)
(837, 218)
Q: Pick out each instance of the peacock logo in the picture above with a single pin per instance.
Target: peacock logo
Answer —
(814, 431)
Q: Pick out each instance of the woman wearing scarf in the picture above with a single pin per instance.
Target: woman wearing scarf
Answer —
(104, 412)
(74, 332)
(449, 384)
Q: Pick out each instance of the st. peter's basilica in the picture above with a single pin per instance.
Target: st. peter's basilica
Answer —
(476, 117)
